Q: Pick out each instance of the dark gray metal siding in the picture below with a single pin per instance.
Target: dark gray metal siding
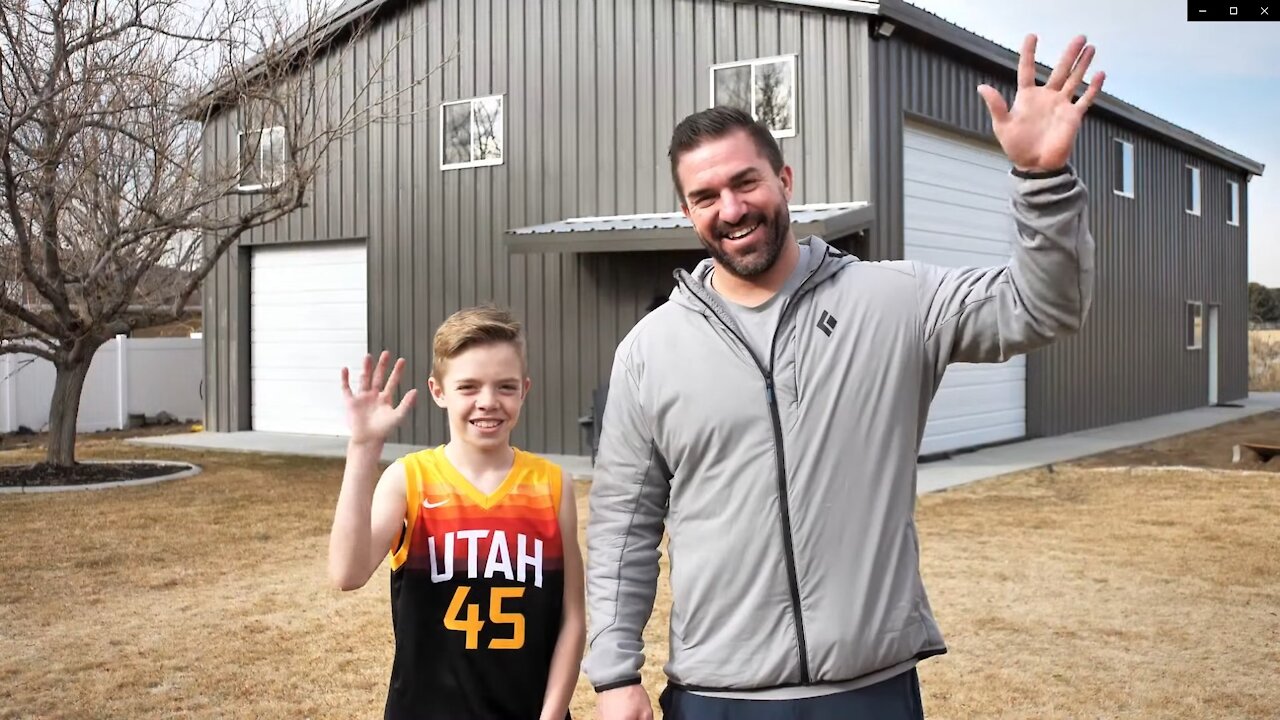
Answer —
(1130, 359)
(592, 90)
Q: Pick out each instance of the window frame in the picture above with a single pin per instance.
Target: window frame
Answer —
(262, 183)
(500, 132)
(1233, 203)
(793, 61)
(1132, 175)
(1188, 325)
(1197, 190)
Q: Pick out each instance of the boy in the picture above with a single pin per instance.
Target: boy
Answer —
(487, 602)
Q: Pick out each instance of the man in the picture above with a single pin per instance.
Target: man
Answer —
(770, 416)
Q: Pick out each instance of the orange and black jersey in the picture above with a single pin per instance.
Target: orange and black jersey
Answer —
(477, 589)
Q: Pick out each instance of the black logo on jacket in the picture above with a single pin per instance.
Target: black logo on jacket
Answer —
(826, 323)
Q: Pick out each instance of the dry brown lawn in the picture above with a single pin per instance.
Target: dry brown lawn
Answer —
(1078, 593)
(1264, 360)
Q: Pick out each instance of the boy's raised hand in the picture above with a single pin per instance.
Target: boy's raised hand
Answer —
(371, 414)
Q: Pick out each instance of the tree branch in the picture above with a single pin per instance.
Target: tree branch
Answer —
(9, 307)
(14, 348)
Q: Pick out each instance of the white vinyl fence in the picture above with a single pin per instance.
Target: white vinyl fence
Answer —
(143, 376)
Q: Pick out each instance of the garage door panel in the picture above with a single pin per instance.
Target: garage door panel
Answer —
(974, 401)
(298, 347)
(961, 197)
(1000, 417)
(292, 337)
(295, 392)
(269, 257)
(927, 143)
(331, 356)
(930, 216)
(941, 249)
(956, 213)
(309, 319)
(980, 396)
(349, 318)
(933, 171)
(947, 437)
(958, 374)
(322, 278)
(268, 297)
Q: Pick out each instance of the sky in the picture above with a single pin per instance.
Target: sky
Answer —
(1218, 80)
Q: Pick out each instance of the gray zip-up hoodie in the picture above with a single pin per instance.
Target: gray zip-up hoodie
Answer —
(787, 483)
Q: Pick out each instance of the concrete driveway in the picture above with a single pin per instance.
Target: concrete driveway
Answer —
(959, 469)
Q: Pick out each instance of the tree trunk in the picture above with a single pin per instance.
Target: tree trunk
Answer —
(64, 409)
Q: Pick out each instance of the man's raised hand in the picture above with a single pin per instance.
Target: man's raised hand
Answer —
(1037, 134)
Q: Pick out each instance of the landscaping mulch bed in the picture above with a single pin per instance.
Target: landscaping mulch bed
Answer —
(47, 475)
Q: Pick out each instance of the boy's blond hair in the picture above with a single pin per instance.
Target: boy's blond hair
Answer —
(469, 327)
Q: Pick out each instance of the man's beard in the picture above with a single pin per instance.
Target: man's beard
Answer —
(763, 255)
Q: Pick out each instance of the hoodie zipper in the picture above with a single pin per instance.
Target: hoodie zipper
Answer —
(789, 553)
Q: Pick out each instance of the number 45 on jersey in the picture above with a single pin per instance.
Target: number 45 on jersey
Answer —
(472, 625)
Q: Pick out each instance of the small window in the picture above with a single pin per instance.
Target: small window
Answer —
(1192, 190)
(1233, 202)
(1194, 312)
(263, 157)
(471, 132)
(765, 87)
(1123, 168)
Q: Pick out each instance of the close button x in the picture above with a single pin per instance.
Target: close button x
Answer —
(1263, 11)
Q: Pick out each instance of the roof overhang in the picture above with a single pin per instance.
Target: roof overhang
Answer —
(671, 231)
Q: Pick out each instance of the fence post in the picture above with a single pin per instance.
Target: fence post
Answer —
(122, 383)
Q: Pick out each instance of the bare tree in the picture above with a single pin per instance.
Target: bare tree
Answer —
(773, 95)
(110, 214)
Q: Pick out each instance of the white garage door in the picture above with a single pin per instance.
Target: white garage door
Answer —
(308, 306)
(956, 213)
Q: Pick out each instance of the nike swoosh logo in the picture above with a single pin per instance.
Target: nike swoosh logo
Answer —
(428, 505)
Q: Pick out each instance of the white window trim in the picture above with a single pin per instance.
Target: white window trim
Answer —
(1233, 203)
(1198, 188)
(240, 160)
(1133, 153)
(501, 132)
(1199, 341)
(795, 88)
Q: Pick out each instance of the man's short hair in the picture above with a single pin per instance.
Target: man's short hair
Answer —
(470, 327)
(713, 124)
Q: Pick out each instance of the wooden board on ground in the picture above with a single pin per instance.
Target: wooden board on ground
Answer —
(1246, 452)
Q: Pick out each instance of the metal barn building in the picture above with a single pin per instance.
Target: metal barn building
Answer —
(539, 180)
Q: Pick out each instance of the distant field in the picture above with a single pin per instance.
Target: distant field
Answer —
(1264, 360)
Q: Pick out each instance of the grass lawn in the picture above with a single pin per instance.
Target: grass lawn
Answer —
(1082, 592)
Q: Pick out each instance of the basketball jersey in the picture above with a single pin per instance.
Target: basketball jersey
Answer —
(477, 587)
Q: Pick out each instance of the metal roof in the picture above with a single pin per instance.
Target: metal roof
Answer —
(898, 11)
(670, 231)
